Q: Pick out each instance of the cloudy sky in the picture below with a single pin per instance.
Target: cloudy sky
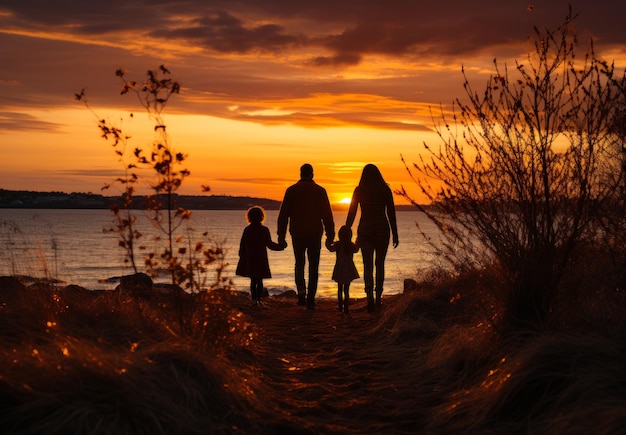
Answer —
(266, 84)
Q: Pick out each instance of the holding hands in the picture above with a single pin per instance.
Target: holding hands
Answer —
(328, 243)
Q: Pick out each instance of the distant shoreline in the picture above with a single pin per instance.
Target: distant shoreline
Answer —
(60, 200)
(24, 199)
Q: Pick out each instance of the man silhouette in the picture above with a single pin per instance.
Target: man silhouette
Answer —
(306, 209)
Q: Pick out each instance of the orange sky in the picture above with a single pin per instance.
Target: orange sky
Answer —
(267, 85)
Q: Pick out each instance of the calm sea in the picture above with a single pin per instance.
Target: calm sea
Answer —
(71, 245)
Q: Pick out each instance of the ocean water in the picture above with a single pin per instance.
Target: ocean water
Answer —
(72, 246)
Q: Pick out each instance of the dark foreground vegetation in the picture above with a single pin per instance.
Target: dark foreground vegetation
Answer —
(430, 361)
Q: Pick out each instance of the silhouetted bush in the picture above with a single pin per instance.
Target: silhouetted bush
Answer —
(530, 172)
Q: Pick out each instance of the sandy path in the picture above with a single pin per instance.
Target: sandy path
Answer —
(326, 372)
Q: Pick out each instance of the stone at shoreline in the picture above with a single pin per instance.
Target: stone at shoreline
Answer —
(410, 285)
(165, 288)
(139, 284)
(11, 283)
(77, 289)
(10, 289)
(73, 294)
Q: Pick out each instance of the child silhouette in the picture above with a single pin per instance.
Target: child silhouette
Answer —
(345, 270)
(253, 262)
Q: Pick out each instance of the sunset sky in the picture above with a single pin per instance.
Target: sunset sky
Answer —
(267, 84)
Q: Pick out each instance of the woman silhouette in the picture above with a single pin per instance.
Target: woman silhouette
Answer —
(378, 216)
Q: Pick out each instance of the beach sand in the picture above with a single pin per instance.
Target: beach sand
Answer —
(322, 371)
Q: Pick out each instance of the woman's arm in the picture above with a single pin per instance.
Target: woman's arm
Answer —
(391, 215)
(354, 203)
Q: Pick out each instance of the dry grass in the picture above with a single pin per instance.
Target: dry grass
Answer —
(74, 362)
(431, 361)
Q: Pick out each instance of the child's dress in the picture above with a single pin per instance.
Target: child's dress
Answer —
(345, 270)
(253, 260)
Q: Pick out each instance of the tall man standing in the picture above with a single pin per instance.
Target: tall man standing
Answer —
(306, 209)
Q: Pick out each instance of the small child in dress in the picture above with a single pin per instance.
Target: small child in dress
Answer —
(345, 270)
(253, 262)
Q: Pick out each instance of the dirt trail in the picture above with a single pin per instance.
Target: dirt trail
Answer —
(327, 372)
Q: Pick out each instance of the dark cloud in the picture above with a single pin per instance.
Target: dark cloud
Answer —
(99, 173)
(348, 29)
(11, 121)
(282, 52)
(226, 33)
(78, 16)
(332, 119)
(344, 59)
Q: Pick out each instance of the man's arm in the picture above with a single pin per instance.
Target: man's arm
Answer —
(270, 243)
(283, 219)
(327, 218)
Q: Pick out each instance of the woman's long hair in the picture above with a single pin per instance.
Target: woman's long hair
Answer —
(372, 182)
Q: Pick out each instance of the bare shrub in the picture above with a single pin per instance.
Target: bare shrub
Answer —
(528, 169)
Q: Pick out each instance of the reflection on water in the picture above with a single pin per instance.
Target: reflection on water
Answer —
(72, 246)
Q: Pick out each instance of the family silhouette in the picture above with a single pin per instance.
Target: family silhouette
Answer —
(306, 213)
